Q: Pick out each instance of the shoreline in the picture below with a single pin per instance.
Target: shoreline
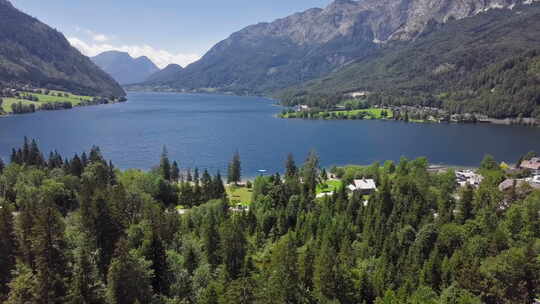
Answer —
(9, 115)
(489, 121)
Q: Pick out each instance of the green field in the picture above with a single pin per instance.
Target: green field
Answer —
(75, 100)
(239, 195)
(329, 186)
(375, 113)
(371, 113)
(6, 105)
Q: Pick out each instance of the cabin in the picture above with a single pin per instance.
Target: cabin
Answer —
(532, 164)
(239, 208)
(468, 177)
(359, 94)
(363, 186)
(302, 108)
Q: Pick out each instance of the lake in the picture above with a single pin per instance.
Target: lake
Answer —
(205, 131)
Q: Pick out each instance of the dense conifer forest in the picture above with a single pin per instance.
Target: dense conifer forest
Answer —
(78, 230)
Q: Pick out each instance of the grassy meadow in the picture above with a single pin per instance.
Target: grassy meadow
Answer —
(52, 97)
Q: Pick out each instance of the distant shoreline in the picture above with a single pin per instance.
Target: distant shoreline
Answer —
(8, 115)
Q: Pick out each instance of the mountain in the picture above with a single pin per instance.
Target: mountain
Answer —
(32, 53)
(165, 74)
(124, 68)
(488, 63)
(268, 56)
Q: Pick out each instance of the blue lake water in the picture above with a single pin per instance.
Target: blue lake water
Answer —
(205, 130)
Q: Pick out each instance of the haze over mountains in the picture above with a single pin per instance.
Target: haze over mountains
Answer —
(124, 68)
(266, 57)
(32, 53)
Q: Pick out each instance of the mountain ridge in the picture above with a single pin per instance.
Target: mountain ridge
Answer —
(32, 53)
(487, 64)
(165, 73)
(265, 57)
(124, 68)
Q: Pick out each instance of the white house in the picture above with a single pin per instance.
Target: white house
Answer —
(468, 177)
(532, 164)
(302, 108)
(364, 186)
(358, 94)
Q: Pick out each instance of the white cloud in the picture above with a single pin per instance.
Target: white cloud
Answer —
(95, 36)
(160, 57)
(100, 38)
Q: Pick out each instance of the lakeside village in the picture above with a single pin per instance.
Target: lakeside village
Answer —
(355, 107)
(517, 180)
(27, 99)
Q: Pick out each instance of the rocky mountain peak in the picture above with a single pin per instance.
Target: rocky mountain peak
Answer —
(385, 19)
(317, 41)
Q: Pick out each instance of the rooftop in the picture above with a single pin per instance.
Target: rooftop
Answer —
(365, 184)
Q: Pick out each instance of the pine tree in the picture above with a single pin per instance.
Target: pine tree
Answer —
(7, 247)
(290, 166)
(2, 165)
(324, 277)
(233, 247)
(84, 159)
(189, 177)
(95, 155)
(153, 250)
(76, 166)
(25, 151)
(15, 157)
(210, 241)
(196, 176)
(206, 186)
(35, 158)
(324, 175)
(112, 174)
(49, 248)
(219, 189)
(105, 231)
(129, 278)
(165, 165)
(465, 205)
(310, 171)
(235, 169)
(22, 286)
(175, 172)
(51, 163)
(85, 287)
(23, 231)
(281, 285)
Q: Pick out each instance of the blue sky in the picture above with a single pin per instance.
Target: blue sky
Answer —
(167, 31)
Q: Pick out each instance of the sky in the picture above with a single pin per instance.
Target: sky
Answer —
(166, 31)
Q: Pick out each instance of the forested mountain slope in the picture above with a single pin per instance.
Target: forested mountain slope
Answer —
(163, 75)
(489, 63)
(32, 53)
